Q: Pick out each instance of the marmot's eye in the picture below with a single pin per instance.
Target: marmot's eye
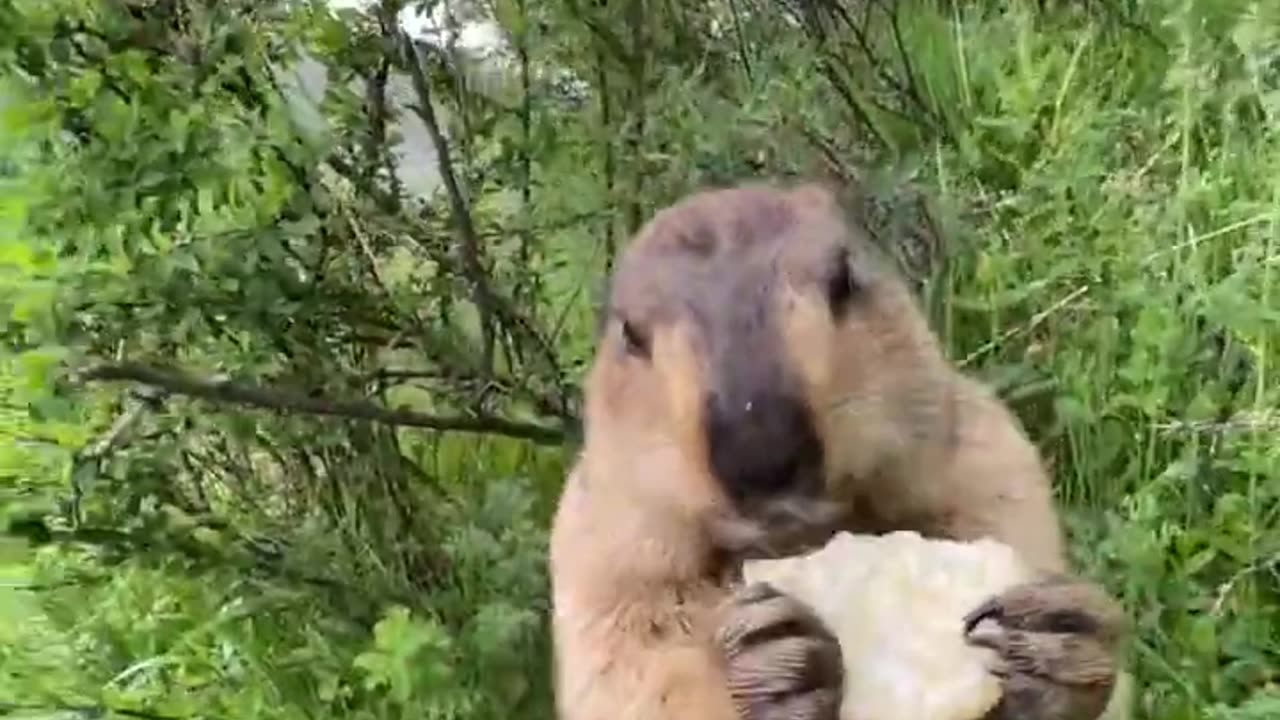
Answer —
(637, 342)
(1069, 621)
(840, 283)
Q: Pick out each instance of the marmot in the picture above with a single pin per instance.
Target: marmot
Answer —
(761, 380)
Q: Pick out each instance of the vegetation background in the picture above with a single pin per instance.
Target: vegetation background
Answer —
(296, 299)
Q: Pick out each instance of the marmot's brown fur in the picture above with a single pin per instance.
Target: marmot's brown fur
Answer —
(757, 359)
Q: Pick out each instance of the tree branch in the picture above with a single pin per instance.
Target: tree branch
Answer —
(469, 250)
(227, 392)
(639, 91)
(491, 305)
(83, 710)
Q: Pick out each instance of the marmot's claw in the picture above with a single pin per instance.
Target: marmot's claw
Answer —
(781, 661)
(1055, 643)
(988, 610)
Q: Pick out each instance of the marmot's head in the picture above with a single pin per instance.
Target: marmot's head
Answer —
(752, 330)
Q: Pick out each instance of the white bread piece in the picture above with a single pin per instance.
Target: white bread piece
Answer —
(896, 603)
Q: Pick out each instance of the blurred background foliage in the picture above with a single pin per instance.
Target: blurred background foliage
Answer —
(296, 297)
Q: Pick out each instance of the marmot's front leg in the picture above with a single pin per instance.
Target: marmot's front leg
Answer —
(781, 661)
(1056, 642)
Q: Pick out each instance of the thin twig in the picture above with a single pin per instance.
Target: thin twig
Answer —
(738, 34)
(87, 711)
(639, 113)
(490, 304)
(1035, 321)
(459, 210)
(46, 587)
(1241, 422)
(227, 392)
(1225, 590)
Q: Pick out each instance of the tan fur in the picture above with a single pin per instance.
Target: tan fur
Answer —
(632, 645)
(639, 570)
(912, 443)
(635, 576)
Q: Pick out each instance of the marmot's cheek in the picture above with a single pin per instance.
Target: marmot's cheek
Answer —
(808, 337)
(683, 387)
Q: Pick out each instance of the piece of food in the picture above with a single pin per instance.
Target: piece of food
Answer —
(896, 603)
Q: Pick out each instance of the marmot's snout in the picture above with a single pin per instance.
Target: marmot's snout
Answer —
(762, 444)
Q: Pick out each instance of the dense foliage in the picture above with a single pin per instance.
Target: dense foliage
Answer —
(288, 387)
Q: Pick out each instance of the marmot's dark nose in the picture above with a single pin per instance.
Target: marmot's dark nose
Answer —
(763, 444)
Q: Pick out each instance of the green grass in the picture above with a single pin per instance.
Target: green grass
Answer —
(1115, 205)
(1119, 286)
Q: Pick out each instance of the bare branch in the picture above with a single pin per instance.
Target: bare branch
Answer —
(226, 392)
(526, 156)
(83, 710)
(459, 209)
(610, 161)
(638, 68)
(495, 308)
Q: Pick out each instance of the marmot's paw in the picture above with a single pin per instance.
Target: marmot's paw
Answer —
(1056, 644)
(781, 661)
